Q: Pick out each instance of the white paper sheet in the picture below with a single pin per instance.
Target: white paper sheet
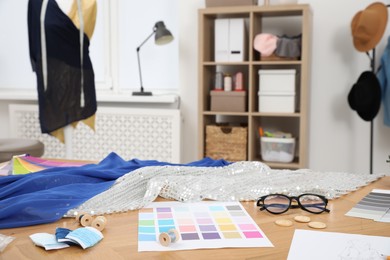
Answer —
(309, 245)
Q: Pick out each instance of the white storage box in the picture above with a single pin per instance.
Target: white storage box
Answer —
(277, 149)
(229, 39)
(277, 102)
(277, 80)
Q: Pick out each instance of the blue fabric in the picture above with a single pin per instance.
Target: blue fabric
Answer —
(45, 196)
(384, 80)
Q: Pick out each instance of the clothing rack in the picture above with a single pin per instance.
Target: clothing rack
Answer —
(372, 65)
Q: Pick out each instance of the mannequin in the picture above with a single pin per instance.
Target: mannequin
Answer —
(89, 11)
(59, 54)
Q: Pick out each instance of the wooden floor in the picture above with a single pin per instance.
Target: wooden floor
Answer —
(120, 241)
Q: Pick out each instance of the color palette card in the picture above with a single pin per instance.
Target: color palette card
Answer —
(200, 225)
(376, 206)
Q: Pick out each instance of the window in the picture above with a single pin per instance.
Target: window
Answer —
(121, 26)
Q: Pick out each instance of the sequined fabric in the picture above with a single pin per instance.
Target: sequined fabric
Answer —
(240, 181)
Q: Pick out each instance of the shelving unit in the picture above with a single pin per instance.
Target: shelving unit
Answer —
(290, 20)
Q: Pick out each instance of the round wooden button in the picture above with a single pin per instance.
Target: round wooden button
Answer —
(302, 219)
(284, 222)
(317, 225)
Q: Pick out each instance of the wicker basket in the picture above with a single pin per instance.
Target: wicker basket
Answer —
(226, 142)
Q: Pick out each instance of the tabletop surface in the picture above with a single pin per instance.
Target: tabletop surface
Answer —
(121, 234)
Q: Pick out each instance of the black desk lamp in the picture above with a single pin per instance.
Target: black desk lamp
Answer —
(163, 36)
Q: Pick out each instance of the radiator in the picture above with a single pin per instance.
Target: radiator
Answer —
(146, 134)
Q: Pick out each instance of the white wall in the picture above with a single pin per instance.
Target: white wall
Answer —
(339, 139)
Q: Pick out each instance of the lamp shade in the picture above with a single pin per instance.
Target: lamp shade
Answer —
(163, 35)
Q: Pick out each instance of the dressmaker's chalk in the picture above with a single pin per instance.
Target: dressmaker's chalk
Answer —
(85, 219)
(99, 223)
(166, 238)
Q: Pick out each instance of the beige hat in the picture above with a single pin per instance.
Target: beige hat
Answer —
(368, 26)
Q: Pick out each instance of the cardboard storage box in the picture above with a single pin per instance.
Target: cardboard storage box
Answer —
(277, 149)
(215, 3)
(226, 142)
(228, 101)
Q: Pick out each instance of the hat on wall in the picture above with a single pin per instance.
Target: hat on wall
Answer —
(368, 26)
(265, 43)
(365, 96)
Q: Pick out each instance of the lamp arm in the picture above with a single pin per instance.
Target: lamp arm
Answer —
(139, 62)
(139, 47)
(139, 71)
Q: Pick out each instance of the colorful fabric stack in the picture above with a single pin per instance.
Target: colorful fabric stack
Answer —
(24, 164)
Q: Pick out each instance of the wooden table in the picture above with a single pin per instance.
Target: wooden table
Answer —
(120, 241)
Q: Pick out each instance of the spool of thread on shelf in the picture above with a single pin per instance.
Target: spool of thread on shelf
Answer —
(238, 82)
(166, 238)
(99, 223)
(227, 82)
(84, 219)
(218, 81)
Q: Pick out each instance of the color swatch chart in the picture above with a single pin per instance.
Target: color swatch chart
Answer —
(200, 225)
(375, 205)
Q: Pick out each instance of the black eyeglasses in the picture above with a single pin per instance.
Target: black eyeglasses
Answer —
(280, 203)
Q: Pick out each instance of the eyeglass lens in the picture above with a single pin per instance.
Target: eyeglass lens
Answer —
(312, 203)
(276, 203)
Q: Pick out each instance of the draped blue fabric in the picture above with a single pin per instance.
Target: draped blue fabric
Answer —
(45, 196)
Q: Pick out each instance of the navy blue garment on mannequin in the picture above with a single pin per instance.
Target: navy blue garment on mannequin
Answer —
(59, 104)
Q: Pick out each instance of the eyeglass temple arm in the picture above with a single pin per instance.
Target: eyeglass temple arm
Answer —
(318, 206)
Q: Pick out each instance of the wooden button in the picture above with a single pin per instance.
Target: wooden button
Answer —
(302, 219)
(283, 222)
(317, 225)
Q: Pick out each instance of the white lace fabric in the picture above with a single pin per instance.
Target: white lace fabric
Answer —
(240, 181)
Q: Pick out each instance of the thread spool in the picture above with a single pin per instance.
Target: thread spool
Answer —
(238, 82)
(227, 82)
(218, 81)
(99, 223)
(166, 238)
(84, 219)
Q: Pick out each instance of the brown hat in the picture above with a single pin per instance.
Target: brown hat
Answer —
(368, 26)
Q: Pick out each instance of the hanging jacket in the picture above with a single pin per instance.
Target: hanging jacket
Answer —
(384, 80)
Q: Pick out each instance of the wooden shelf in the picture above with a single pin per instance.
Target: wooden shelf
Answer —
(296, 18)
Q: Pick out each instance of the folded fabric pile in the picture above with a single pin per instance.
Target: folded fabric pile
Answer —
(280, 46)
